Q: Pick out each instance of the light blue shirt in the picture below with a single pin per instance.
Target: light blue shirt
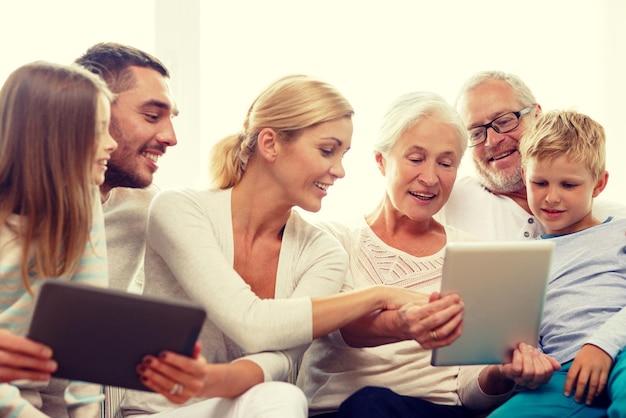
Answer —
(586, 292)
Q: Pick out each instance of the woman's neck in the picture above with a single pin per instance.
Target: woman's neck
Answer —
(257, 210)
(418, 237)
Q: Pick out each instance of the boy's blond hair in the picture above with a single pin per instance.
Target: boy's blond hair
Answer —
(565, 133)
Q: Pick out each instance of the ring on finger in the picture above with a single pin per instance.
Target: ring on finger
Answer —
(433, 335)
(176, 389)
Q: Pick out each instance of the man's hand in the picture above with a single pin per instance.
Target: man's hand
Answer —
(529, 367)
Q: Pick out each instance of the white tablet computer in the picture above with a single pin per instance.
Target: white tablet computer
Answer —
(503, 286)
(101, 335)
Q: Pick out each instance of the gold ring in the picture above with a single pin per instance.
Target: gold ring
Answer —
(433, 335)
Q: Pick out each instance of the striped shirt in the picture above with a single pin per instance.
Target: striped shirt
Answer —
(16, 305)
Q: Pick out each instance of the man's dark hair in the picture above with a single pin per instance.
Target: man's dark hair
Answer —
(112, 62)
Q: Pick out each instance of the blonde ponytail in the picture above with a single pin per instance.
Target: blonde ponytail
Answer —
(288, 105)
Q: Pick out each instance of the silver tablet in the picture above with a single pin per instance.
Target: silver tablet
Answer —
(503, 287)
(101, 335)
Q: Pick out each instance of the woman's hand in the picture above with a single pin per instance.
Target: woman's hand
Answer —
(23, 358)
(177, 377)
(180, 378)
(435, 324)
(432, 321)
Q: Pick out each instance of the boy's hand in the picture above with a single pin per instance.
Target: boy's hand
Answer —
(590, 370)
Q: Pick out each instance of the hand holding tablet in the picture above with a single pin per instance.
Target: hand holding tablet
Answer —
(101, 335)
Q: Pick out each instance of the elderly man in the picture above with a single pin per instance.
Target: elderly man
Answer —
(496, 108)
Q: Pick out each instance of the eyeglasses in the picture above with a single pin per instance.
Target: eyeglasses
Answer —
(502, 124)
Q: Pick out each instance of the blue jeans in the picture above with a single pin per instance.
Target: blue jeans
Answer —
(548, 401)
(617, 387)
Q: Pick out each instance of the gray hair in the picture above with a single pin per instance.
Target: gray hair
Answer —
(520, 89)
(407, 110)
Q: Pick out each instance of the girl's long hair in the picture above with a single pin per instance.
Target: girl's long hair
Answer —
(47, 152)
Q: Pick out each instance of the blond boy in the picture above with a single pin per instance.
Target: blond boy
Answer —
(584, 321)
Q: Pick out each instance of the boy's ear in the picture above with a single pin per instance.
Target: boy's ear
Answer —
(601, 184)
(523, 175)
(267, 142)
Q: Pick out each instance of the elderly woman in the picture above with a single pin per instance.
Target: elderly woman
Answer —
(400, 244)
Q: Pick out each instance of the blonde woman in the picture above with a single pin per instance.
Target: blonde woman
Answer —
(263, 274)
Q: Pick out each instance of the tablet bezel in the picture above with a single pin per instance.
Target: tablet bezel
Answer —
(502, 285)
(100, 335)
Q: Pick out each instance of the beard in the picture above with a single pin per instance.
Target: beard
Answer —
(500, 181)
(124, 168)
(121, 177)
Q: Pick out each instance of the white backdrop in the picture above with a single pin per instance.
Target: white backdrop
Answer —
(572, 53)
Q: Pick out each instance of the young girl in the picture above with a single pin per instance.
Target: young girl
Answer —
(263, 274)
(54, 148)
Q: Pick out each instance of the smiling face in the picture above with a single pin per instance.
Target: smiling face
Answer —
(421, 167)
(105, 144)
(141, 123)
(560, 194)
(309, 164)
(497, 159)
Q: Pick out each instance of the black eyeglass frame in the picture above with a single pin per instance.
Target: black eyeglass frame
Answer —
(517, 114)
